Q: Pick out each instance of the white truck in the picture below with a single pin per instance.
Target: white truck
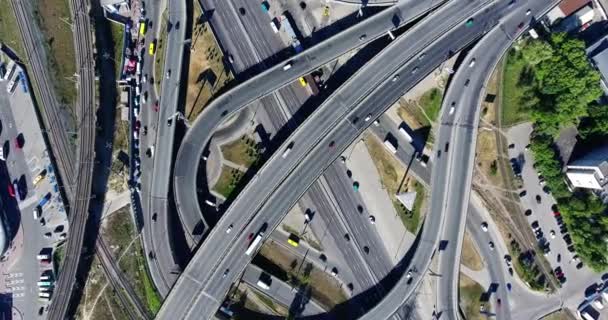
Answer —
(403, 131)
(254, 244)
(390, 146)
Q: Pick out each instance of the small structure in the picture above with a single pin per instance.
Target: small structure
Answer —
(407, 199)
(571, 15)
(590, 171)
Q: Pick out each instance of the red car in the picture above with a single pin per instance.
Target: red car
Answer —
(156, 108)
(556, 213)
(18, 143)
(137, 125)
(11, 190)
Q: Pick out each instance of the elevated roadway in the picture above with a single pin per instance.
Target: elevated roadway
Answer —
(210, 287)
(162, 259)
(196, 139)
(454, 148)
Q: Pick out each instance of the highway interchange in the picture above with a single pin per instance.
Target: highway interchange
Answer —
(270, 161)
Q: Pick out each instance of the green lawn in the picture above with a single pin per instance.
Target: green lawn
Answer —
(54, 19)
(58, 258)
(411, 219)
(430, 101)
(118, 41)
(9, 31)
(513, 88)
(242, 151)
(229, 178)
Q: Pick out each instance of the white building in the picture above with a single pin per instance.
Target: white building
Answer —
(590, 171)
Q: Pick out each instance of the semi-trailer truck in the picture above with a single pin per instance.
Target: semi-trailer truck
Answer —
(254, 244)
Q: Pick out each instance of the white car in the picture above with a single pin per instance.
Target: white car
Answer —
(552, 234)
(144, 79)
(491, 245)
(372, 219)
(369, 116)
(484, 226)
(472, 63)
(229, 229)
(452, 108)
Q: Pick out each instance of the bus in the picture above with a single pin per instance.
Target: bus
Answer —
(10, 70)
(142, 27)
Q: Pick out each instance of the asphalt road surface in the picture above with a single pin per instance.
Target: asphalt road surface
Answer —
(343, 132)
(194, 143)
(456, 142)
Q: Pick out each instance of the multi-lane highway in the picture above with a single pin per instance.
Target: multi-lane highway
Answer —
(161, 256)
(200, 268)
(196, 139)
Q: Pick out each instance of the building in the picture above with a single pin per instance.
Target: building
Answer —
(565, 8)
(571, 15)
(590, 171)
(598, 54)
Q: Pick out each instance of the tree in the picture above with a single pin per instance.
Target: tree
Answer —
(596, 122)
(537, 51)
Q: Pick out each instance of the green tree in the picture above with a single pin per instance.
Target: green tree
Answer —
(537, 51)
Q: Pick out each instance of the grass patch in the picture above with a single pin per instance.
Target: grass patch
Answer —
(58, 256)
(207, 72)
(392, 178)
(9, 31)
(54, 19)
(120, 233)
(118, 42)
(324, 288)
(430, 101)
(161, 50)
(470, 298)
(243, 151)
(229, 178)
(470, 257)
(513, 88)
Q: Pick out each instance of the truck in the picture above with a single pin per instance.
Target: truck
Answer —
(390, 146)
(404, 132)
(44, 200)
(254, 244)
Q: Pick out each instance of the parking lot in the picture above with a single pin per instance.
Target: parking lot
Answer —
(543, 216)
(36, 211)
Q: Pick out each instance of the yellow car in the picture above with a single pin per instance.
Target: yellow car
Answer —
(303, 82)
(151, 50)
(326, 11)
(293, 240)
(39, 178)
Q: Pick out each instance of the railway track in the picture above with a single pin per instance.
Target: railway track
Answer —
(125, 292)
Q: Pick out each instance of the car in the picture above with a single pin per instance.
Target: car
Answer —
(350, 286)
(154, 216)
(452, 109)
(466, 83)
(242, 11)
(491, 245)
(575, 258)
(368, 117)
(528, 212)
(509, 286)
(421, 56)
(144, 79)
(326, 11)
(42, 222)
(48, 235)
(303, 82)
(37, 213)
(372, 219)
(156, 107)
(230, 59)
(334, 271)
(535, 225)
(571, 248)
(287, 66)
(346, 237)
(552, 234)
(498, 302)
(559, 258)
(510, 271)
(472, 63)
(362, 37)
(484, 226)
(229, 229)
(520, 26)
(225, 273)
(151, 48)
(469, 22)
(40, 311)
(556, 214)
(579, 265)
(508, 260)
(547, 190)
(395, 78)
(11, 190)
(415, 70)
(332, 144)
(523, 194)
(528, 12)
(366, 249)
(538, 199)
(168, 74)
(250, 236)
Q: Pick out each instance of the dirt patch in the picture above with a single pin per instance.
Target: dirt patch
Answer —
(470, 298)
(470, 257)
(243, 151)
(325, 289)
(208, 72)
(228, 181)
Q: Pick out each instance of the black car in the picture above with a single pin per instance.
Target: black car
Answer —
(534, 225)
(528, 212)
(538, 199)
(523, 194)
(579, 266)
(571, 248)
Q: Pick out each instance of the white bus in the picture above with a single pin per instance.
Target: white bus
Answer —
(254, 244)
